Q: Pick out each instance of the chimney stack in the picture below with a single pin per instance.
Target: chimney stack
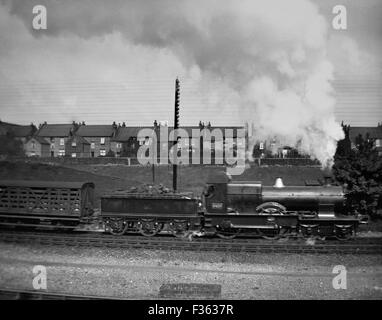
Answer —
(279, 183)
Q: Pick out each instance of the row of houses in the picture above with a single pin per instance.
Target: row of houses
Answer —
(84, 141)
(79, 140)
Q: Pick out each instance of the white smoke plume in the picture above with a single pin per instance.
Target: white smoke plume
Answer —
(266, 59)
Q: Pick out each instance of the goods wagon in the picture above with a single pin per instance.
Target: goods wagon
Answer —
(29, 203)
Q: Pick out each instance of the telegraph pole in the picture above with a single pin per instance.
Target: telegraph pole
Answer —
(176, 126)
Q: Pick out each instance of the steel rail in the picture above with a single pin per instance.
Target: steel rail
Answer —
(17, 294)
(365, 246)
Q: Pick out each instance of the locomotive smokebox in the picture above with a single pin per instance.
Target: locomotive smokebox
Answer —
(279, 183)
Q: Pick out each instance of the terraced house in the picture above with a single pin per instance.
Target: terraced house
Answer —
(37, 147)
(77, 147)
(57, 135)
(100, 138)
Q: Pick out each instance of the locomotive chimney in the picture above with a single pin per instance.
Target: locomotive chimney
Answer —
(279, 183)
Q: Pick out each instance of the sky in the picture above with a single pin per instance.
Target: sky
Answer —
(101, 61)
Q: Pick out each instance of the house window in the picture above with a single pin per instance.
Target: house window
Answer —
(33, 145)
(62, 142)
(74, 143)
(378, 142)
(261, 146)
(92, 145)
(74, 155)
(102, 140)
(61, 153)
(119, 145)
(102, 153)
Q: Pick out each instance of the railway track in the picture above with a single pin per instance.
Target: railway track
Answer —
(355, 246)
(16, 294)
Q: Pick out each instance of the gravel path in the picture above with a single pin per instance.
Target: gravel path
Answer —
(138, 274)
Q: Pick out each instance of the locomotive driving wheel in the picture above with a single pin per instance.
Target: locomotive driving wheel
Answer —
(149, 227)
(271, 208)
(179, 228)
(226, 231)
(117, 226)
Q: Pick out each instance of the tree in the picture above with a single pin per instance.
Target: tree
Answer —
(359, 170)
(10, 146)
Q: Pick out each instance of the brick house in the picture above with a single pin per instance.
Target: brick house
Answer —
(57, 135)
(125, 141)
(77, 147)
(100, 137)
(127, 136)
(37, 146)
(374, 133)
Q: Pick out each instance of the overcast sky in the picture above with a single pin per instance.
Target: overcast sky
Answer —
(103, 61)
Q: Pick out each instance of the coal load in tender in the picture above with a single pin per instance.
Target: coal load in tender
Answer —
(148, 189)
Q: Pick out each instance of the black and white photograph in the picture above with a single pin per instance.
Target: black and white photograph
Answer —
(190, 154)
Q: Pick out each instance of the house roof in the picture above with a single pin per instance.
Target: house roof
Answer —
(190, 128)
(374, 132)
(40, 140)
(54, 130)
(78, 139)
(95, 131)
(125, 133)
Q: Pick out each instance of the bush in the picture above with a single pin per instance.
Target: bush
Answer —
(10, 146)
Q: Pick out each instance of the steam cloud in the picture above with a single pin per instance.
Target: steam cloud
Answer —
(266, 59)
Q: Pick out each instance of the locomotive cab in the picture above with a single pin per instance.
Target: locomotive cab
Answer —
(215, 194)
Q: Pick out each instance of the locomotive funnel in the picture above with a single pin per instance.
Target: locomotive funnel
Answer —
(279, 183)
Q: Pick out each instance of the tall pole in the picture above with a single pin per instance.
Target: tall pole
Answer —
(154, 153)
(176, 126)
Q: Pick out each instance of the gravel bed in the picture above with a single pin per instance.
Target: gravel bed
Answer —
(138, 274)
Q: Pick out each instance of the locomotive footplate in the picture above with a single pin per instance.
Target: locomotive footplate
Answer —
(251, 221)
(266, 225)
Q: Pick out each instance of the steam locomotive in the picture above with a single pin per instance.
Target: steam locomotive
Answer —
(226, 208)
